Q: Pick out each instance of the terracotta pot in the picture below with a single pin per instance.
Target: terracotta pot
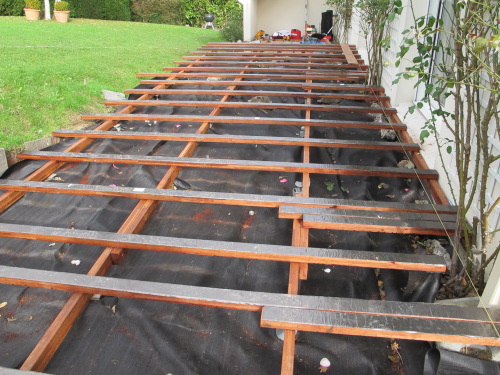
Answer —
(32, 14)
(61, 15)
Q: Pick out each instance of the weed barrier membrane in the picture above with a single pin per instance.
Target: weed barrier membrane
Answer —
(129, 336)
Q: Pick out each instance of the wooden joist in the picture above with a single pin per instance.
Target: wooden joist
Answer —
(286, 94)
(216, 138)
(251, 165)
(239, 299)
(332, 76)
(206, 197)
(304, 86)
(379, 326)
(339, 257)
(207, 104)
(343, 67)
(244, 120)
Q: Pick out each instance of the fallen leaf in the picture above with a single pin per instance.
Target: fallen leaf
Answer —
(52, 244)
(329, 185)
(323, 369)
(391, 196)
(11, 319)
(344, 189)
(394, 358)
(3, 304)
(383, 185)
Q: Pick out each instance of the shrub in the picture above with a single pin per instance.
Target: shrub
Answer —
(233, 29)
(11, 7)
(61, 6)
(195, 10)
(158, 11)
(101, 9)
(32, 4)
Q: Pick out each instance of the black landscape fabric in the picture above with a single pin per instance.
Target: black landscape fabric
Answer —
(126, 336)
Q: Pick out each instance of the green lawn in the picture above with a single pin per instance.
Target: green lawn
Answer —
(50, 73)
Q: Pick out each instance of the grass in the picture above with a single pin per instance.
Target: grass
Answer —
(50, 73)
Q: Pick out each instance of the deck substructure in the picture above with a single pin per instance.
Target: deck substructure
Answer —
(280, 104)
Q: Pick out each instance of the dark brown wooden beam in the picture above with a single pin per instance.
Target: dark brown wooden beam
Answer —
(338, 257)
(213, 138)
(313, 95)
(295, 212)
(239, 299)
(206, 197)
(251, 165)
(375, 326)
(432, 228)
(331, 76)
(290, 106)
(244, 120)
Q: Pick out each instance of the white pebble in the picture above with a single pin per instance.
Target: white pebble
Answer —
(327, 270)
(325, 362)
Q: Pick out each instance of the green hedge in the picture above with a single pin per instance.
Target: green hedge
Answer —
(101, 9)
(158, 11)
(176, 12)
(195, 10)
(11, 7)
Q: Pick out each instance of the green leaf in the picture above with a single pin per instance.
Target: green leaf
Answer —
(411, 109)
(420, 105)
(480, 45)
(449, 149)
(344, 189)
(392, 16)
(329, 185)
(423, 135)
(417, 59)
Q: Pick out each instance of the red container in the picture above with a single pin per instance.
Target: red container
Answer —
(296, 34)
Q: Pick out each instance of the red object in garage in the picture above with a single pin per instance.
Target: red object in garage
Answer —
(296, 34)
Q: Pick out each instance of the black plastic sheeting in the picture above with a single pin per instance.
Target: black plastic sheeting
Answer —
(128, 336)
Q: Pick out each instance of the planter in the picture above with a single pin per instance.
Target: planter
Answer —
(32, 14)
(61, 15)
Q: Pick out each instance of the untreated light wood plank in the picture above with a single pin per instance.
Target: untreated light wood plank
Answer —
(377, 326)
(346, 50)
(250, 165)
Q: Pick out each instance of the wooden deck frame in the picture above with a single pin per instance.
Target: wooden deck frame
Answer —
(114, 252)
